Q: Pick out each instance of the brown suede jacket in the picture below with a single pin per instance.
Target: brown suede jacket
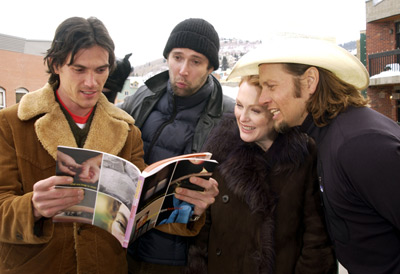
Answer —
(29, 135)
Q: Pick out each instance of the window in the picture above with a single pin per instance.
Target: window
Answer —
(134, 84)
(2, 98)
(19, 93)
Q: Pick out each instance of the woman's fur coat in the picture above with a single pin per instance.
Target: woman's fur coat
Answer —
(258, 223)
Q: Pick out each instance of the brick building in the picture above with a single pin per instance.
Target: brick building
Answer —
(383, 55)
(21, 67)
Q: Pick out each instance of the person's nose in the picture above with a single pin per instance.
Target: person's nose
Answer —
(244, 117)
(184, 69)
(264, 99)
(90, 79)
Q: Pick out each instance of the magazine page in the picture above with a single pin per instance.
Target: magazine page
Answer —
(157, 204)
(155, 167)
(121, 200)
(110, 185)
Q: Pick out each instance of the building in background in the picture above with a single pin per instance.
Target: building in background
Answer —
(131, 85)
(21, 67)
(383, 55)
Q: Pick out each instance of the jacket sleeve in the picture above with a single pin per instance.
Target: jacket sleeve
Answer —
(17, 225)
(229, 104)
(372, 167)
(198, 251)
(190, 229)
(132, 103)
(317, 255)
(137, 152)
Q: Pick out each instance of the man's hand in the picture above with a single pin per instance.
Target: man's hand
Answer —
(200, 200)
(47, 200)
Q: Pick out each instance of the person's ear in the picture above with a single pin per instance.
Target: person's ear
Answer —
(312, 79)
(55, 68)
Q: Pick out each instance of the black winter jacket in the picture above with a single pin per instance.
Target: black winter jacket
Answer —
(155, 246)
(359, 170)
(142, 103)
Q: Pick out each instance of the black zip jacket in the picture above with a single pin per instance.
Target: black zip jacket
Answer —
(156, 246)
(359, 173)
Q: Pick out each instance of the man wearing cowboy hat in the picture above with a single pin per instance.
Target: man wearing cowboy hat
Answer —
(316, 85)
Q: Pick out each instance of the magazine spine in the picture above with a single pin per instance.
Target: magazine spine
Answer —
(133, 212)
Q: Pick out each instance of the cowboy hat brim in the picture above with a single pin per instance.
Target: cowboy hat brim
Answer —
(308, 51)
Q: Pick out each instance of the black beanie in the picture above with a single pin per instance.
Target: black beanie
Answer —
(195, 34)
(115, 81)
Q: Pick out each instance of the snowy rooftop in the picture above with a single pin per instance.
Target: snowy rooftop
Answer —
(390, 75)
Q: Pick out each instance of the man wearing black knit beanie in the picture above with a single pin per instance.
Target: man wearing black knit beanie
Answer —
(197, 35)
(175, 111)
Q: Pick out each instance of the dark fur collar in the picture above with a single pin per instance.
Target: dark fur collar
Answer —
(247, 168)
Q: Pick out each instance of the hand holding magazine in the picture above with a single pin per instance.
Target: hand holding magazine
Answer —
(121, 199)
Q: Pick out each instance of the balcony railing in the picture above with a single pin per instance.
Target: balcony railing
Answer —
(384, 61)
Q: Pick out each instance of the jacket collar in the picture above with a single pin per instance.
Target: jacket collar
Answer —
(158, 83)
(309, 127)
(108, 121)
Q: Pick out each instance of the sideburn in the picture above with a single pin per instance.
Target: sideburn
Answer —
(297, 87)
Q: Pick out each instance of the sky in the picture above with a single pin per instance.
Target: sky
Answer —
(143, 27)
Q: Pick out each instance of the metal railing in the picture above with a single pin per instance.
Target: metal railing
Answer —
(384, 61)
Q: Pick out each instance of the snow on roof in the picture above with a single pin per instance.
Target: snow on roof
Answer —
(390, 70)
(388, 73)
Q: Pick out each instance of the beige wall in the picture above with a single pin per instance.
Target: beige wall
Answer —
(384, 9)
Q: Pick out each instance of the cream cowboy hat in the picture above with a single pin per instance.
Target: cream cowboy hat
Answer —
(309, 51)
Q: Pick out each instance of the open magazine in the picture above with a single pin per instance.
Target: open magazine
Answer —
(121, 199)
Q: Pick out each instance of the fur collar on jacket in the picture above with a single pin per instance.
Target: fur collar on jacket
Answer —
(108, 121)
(247, 167)
(247, 172)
